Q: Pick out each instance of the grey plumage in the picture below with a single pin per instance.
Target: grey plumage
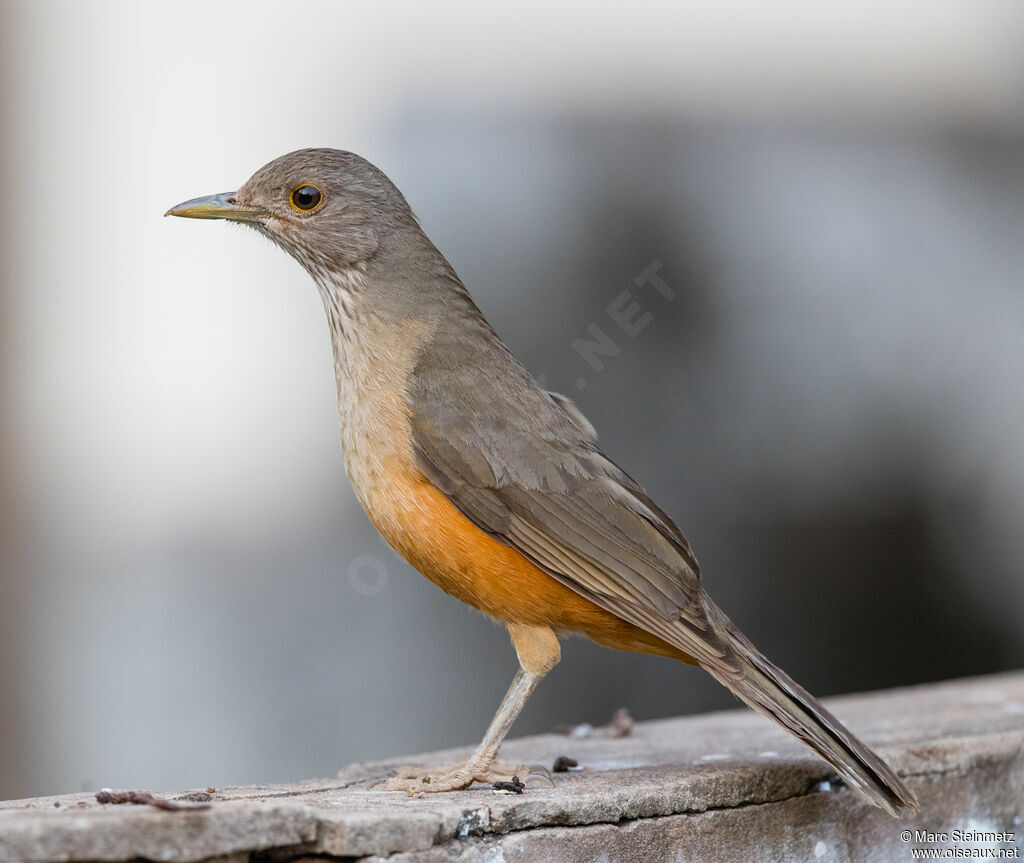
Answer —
(426, 385)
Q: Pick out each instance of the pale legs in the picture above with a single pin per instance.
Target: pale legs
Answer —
(539, 652)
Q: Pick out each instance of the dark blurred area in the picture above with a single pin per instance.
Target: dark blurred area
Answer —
(822, 385)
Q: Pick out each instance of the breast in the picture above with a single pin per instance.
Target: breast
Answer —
(427, 530)
(418, 520)
(371, 369)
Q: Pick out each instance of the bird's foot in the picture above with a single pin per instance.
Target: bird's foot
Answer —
(416, 781)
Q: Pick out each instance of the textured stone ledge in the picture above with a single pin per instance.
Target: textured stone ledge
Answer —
(718, 787)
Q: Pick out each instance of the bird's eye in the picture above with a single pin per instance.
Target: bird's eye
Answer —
(306, 198)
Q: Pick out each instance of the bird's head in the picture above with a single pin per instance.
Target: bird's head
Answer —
(329, 209)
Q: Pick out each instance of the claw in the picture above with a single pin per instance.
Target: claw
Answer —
(538, 771)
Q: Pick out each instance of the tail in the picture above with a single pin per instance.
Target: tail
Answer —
(769, 690)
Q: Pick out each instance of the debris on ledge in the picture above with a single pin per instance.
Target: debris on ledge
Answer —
(717, 787)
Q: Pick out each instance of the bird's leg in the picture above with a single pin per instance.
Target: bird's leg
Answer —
(539, 652)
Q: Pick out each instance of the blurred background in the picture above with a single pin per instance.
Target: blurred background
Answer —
(829, 398)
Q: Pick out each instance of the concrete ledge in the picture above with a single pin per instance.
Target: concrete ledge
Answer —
(717, 787)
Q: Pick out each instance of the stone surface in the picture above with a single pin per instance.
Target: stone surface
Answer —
(722, 786)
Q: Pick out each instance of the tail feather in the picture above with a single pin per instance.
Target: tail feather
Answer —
(769, 690)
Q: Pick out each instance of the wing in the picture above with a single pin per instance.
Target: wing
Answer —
(524, 466)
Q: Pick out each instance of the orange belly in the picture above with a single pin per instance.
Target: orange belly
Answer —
(423, 526)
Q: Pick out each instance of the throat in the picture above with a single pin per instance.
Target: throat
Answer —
(374, 358)
(340, 291)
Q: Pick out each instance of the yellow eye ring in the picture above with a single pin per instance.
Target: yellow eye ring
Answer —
(306, 198)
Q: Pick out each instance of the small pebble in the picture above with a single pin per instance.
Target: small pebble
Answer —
(514, 787)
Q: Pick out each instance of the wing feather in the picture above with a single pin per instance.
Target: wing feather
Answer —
(525, 468)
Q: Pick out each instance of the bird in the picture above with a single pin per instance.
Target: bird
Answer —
(492, 487)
